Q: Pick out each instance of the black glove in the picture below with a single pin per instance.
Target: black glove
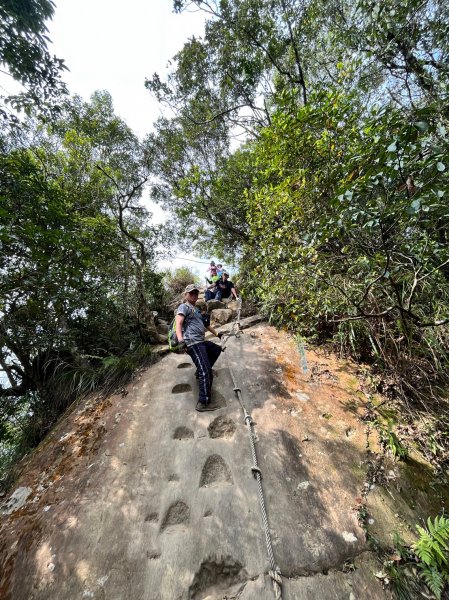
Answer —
(220, 334)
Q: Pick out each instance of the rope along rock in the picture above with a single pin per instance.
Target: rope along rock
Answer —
(275, 572)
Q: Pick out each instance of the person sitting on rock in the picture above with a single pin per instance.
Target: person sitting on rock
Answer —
(211, 289)
(225, 288)
(190, 329)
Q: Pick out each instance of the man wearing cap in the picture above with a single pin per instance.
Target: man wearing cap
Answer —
(190, 329)
(225, 288)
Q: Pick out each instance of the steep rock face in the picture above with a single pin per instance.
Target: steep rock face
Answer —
(139, 496)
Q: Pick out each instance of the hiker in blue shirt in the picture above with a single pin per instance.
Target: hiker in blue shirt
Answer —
(190, 329)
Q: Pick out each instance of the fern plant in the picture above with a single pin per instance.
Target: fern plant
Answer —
(390, 440)
(432, 550)
(395, 445)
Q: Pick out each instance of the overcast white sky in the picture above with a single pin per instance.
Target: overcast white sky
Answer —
(114, 45)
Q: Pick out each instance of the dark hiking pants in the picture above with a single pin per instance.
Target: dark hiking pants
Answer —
(204, 356)
(209, 295)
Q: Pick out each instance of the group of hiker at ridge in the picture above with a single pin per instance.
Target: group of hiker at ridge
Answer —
(218, 286)
(191, 325)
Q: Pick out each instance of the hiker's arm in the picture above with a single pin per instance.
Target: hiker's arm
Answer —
(212, 330)
(179, 323)
(234, 293)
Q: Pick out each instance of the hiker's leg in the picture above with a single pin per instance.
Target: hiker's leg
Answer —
(218, 295)
(213, 352)
(208, 295)
(199, 356)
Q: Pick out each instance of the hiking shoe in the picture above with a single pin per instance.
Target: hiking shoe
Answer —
(201, 407)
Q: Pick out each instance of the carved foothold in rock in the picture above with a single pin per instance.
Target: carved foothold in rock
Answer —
(177, 514)
(215, 472)
(219, 577)
(222, 427)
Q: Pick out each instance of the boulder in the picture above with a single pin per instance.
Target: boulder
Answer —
(213, 304)
(232, 305)
(162, 328)
(201, 304)
(221, 316)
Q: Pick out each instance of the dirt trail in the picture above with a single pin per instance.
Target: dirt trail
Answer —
(139, 497)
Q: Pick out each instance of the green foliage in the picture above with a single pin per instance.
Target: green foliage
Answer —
(426, 561)
(402, 571)
(202, 185)
(434, 579)
(177, 279)
(24, 52)
(348, 232)
(423, 566)
(107, 372)
(391, 441)
(335, 204)
(77, 270)
(343, 198)
(432, 548)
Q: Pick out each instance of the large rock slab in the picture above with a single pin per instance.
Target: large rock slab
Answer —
(154, 501)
